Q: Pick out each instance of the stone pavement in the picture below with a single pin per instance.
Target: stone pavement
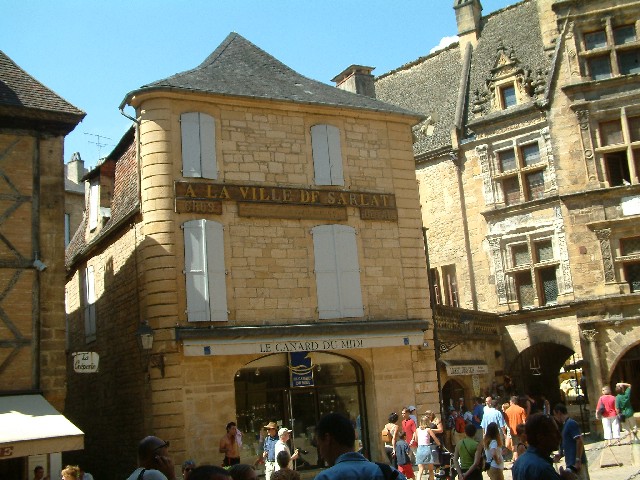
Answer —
(617, 460)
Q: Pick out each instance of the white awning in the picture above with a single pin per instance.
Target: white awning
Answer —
(31, 426)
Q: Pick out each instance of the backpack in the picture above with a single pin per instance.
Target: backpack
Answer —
(460, 424)
(386, 435)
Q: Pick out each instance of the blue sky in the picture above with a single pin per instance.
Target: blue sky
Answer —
(92, 52)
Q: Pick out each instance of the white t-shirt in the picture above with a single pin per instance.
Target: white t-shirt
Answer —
(281, 447)
(489, 454)
(149, 474)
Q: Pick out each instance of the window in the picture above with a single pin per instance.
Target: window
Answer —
(533, 272)
(437, 289)
(619, 149)
(89, 305)
(337, 271)
(508, 96)
(630, 256)
(604, 59)
(327, 155)
(450, 285)
(521, 173)
(198, 145)
(204, 271)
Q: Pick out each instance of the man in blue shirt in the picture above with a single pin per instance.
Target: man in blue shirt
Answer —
(478, 411)
(335, 438)
(493, 415)
(572, 446)
(536, 464)
(269, 454)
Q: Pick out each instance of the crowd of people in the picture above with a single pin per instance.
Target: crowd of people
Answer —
(525, 430)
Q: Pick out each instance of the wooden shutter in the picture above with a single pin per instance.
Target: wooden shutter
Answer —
(197, 284)
(348, 271)
(94, 203)
(335, 155)
(198, 145)
(216, 272)
(321, 159)
(208, 146)
(204, 271)
(89, 304)
(326, 272)
(337, 272)
(190, 128)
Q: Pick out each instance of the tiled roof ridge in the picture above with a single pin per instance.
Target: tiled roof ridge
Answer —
(418, 60)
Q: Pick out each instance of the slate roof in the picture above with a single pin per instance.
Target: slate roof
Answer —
(431, 84)
(239, 68)
(125, 201)
(428, 85)
(19, 89)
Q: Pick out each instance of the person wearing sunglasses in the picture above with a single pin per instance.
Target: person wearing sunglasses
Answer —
(154, 462)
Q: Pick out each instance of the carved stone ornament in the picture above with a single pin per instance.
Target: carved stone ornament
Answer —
(605, 249)
(589, 334)
(583, 118)
(445, 347)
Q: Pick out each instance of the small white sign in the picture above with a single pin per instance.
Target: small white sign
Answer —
(85, 362)
(467, 370)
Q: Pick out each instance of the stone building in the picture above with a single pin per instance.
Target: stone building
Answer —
(33, 123)
(264, 231)
(528, 169)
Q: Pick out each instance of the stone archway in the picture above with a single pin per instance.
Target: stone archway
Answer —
(627, 369)
(452, 390)
(535, 370)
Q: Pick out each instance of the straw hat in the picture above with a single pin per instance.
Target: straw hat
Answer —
(271, 425)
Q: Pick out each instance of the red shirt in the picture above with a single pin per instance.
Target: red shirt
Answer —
(409, 427)
(609, 403)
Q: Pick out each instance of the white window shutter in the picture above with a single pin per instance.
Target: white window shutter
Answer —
(348, 271)
(326, 272)
(321, 159)
(216, 271)
(94, 204)
(197, 285)
(209, 166)
(89, 306)
(335, 155)
(191, 152)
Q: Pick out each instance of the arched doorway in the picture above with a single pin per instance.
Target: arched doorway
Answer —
(535, 371)
(452, 392)
(295, 390)
(628, 370)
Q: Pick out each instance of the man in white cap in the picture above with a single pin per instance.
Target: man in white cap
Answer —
(284, 434)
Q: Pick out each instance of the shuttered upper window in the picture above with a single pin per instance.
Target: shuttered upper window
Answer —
(337, 271)
(198, 145)
(327, 155)
(89, 304)
(204, 271)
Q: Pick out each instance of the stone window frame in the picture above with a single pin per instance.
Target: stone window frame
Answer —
(628, 146)
(500, 244)
(623, 259)
(494, 178)
(611, 50)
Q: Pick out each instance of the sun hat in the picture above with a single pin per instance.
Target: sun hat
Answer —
(271, 425)
(283, 430)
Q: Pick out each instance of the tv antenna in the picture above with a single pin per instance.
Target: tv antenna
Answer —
(99, 143)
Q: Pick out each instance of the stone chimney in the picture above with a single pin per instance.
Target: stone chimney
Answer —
(75, 168)
(468, 16)
(357, 79)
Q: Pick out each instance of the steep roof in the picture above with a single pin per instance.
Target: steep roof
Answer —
(21, 95)
(239, 68)
(431, 84)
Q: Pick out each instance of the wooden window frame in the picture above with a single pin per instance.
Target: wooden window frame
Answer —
(521, 172)
(627, 147)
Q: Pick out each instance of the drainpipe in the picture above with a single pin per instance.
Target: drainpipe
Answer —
(435, 325)
(35, 239)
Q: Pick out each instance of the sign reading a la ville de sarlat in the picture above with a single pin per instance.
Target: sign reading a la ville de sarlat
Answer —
(283, 202)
